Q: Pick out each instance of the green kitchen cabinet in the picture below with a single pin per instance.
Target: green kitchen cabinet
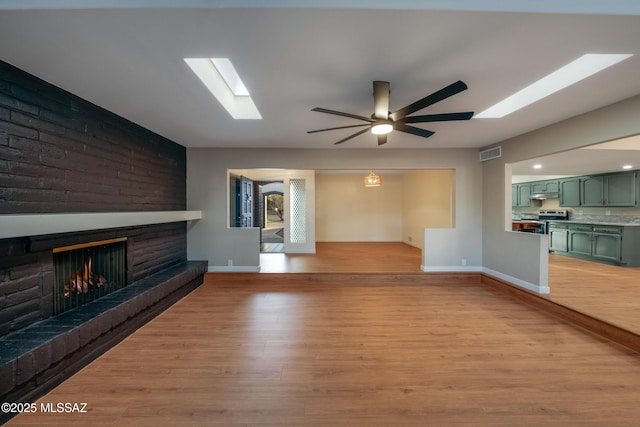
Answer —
(607, 243)
(520, 195)
(570, 192)
(609, 190)
(592, 191)
(550, 186)
(612, 244)
(580, 239)
(620, 189)
(558, 237)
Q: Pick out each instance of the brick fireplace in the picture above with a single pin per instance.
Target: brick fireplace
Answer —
(60, 156)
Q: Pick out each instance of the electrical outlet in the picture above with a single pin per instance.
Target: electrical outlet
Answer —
(607, 212)
(229, 263)
(464, 261)
(409, 239)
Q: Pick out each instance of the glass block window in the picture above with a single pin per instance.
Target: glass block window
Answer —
(297, 209)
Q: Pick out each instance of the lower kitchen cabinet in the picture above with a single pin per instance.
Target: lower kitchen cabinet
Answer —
(558, 237)
(580, 237)
(607, 243)
(604, 243)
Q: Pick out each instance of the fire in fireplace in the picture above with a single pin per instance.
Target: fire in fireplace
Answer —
(85, 272)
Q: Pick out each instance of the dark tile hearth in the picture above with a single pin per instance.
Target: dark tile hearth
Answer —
(38, 357)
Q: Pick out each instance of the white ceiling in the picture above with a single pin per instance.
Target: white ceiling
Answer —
(295, 55)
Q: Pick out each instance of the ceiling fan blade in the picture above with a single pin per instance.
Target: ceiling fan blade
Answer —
(339, 113)
(339, 127)
(381, 100)
(352, 136)
(437, 118)
(382, 139)
(412, 130)
(444, 93)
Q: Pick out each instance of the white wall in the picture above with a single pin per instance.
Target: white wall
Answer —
(211, 239)
(504, 251)
(347, 211)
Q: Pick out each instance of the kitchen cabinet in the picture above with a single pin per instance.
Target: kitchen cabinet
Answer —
(558, 237)
(607, 243)
(590, 241)
(570, 192)
(550, 186)
(613, 244)
(520, 195)
(609, 190)
(621, 189)
(580, 239)
(592, 191)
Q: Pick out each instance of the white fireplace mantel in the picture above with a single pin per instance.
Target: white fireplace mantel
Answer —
(39, 224)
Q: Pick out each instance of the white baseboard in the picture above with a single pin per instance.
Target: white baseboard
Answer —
(233, 269)
(515, 281)
(451, 269)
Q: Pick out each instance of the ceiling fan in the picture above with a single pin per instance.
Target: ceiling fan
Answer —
(382, 121)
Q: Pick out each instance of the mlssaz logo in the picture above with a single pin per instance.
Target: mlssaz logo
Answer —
(64, 407)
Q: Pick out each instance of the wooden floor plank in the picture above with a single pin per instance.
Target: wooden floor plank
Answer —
(265, 352)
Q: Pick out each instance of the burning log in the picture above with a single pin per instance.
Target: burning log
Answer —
(84, 280)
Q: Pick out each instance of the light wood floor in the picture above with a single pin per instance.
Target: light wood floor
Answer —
(607, 292)
(347, 257)
(272, 352)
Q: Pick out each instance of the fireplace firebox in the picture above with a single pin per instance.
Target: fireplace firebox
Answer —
(88, 271)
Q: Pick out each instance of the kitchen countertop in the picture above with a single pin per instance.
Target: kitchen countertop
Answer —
(598, 222)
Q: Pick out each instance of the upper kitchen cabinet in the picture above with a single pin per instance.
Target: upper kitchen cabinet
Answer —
(592, 191)
(550, 186)
(610, 190)
(621, 189)
(520, 195)
(570, 192)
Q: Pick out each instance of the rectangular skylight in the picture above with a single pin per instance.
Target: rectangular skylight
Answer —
(571, 73)
(230, 76)
(222, 80)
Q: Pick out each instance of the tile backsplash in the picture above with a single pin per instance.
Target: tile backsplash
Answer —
(608, 214)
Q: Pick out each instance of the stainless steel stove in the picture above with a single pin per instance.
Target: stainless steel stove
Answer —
(552, 215)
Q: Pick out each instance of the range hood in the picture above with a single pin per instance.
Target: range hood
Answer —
(544, 196)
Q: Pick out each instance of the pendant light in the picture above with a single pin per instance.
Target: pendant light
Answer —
(372, 180)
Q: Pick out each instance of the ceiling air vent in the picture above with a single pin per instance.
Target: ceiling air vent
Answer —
(491, 153)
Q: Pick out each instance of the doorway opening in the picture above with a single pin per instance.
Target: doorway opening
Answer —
(272, 217)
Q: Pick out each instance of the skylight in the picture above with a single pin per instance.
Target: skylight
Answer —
(222, 80)
(571, 73)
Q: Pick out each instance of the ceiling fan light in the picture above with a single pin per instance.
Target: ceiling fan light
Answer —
(381, 128)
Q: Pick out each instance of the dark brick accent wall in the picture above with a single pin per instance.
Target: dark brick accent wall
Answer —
(59, 153)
